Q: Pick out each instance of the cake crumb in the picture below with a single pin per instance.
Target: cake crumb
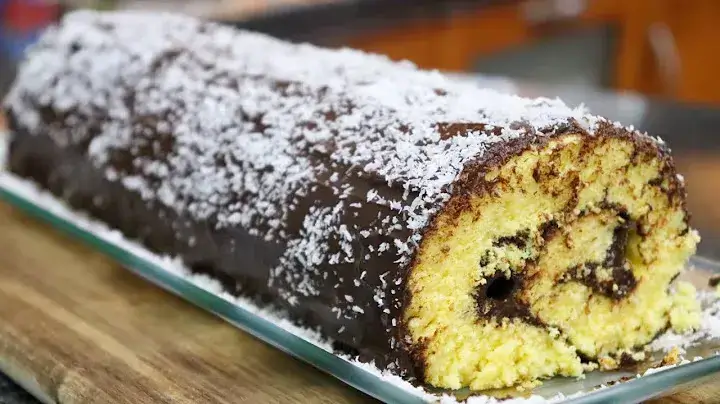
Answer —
(672, 358)
(528, 385)
(638, 356)
(607, 363)
(685, 314)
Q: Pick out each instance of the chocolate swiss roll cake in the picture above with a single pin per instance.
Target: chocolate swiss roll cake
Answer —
(453, 235)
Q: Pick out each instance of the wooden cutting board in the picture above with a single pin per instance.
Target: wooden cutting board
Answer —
(77, 328)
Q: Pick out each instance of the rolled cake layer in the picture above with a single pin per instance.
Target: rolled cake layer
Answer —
(453, 235)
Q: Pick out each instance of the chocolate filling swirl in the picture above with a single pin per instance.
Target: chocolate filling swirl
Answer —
(612, 277)
(497, 297)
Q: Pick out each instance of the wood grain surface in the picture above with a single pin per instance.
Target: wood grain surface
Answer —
(77, 328)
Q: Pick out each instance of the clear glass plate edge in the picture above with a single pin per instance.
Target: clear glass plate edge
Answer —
(634, 390)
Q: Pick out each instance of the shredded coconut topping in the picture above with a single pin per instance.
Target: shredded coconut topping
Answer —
(239, 129)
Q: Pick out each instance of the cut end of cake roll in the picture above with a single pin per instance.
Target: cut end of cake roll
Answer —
(552, 255)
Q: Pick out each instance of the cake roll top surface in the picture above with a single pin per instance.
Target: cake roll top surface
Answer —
(240, 129)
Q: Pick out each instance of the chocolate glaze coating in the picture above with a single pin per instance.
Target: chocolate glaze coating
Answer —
(241, 261)
(320, 208)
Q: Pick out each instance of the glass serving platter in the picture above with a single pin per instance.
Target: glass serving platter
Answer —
(617, 386)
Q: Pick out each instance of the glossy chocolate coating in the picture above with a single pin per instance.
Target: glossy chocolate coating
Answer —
(323, 188)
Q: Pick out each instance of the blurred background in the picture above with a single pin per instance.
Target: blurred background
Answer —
(648, 63)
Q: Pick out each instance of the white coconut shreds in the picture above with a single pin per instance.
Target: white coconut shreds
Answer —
(211, 117)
